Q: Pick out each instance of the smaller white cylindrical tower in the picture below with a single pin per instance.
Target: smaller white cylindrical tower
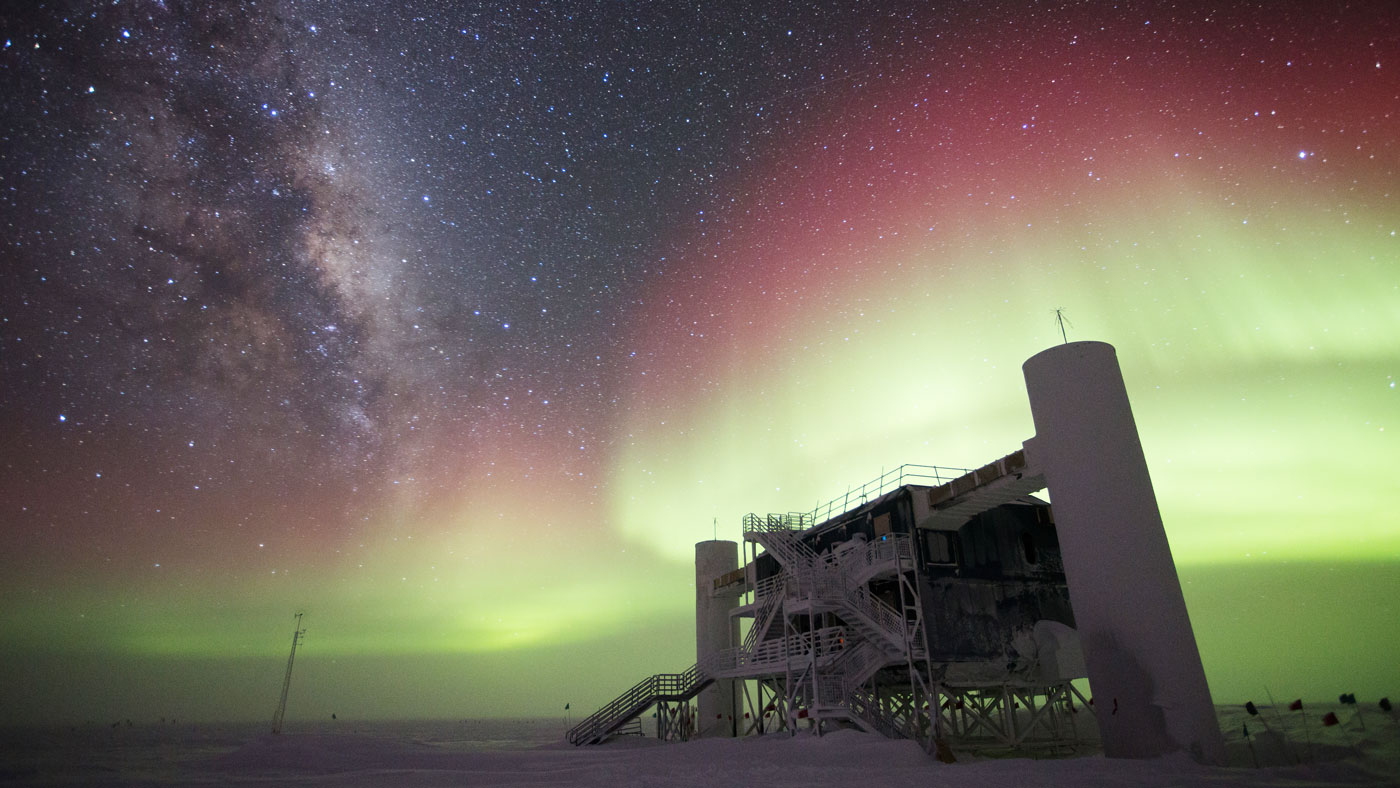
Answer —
(715, 630)
(1150, 692)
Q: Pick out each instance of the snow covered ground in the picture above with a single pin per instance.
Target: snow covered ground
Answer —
(532, 753)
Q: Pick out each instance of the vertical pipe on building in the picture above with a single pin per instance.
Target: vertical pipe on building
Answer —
(1150, 689)
(715, 630)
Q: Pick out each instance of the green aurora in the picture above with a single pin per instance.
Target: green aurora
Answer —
(860, 295)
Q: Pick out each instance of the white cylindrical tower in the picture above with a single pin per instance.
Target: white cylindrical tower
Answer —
(715, 630)
(1150, 692)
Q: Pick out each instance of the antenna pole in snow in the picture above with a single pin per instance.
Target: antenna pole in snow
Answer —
(1283, 730)
(297, 632)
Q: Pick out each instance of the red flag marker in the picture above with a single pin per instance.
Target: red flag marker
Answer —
(1296, 705)
(1329, 719)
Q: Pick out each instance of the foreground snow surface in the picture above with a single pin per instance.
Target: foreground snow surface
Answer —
(530, 753)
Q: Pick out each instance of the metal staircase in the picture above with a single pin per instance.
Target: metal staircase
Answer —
(826, 579)
(824, 647)
(828, 667)
(779, 655)
(770, 596)
(777, 533)
(663, 687)
(859, 663)
(842, 693)
(865, 710)
(882, 556)
(874, 619)
(840, 582)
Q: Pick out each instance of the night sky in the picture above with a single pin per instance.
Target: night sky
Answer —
(455, 326)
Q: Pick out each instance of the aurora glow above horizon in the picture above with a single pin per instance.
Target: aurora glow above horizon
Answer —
(474, 394)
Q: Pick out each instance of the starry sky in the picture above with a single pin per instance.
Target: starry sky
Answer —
(456, 325)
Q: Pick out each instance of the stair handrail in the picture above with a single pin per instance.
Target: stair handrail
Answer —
(642, 694)
(876, 610)
(855, 663)
(799, 647)
(771, 585)
(825, 577)
(762, 618)
(877, 553)
(609, 711)
(792, 552)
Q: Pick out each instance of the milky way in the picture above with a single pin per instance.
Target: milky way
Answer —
(457, 325)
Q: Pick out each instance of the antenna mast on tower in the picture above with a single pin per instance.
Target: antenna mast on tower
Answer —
(297, 632)
(1060, 319)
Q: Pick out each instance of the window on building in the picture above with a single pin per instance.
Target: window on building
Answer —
(1028, 547)
(939, 546)
(983, 540)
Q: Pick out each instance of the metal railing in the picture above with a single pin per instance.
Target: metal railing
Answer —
(767, 609)
(890, 623)
(831, 688)
(824, 577)
(909, 473)
(852, 667)
(772, 523)
(785, 545)
(840, 577)
(841, 685)
(822, 645)
(770, 586)
(859, 664)
(895, 547)
(863, 563)
(662, 686)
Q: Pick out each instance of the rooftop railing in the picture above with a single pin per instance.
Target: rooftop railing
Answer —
(926, 475)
